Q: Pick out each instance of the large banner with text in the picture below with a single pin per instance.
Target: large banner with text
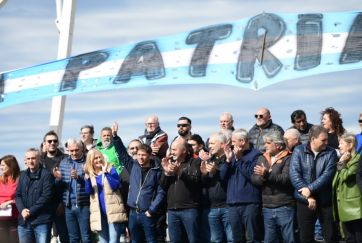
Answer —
(250, 53)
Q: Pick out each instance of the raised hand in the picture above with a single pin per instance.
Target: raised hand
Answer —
(114, 129)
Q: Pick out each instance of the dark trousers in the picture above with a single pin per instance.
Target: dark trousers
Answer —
(354, 230)
(307, 219)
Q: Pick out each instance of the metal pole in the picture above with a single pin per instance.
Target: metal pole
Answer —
(65, 23)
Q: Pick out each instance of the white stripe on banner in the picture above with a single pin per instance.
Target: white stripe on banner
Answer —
(249, 53)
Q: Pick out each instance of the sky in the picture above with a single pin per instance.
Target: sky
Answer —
(28, 36)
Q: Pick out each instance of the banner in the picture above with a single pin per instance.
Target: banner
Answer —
(250, 53)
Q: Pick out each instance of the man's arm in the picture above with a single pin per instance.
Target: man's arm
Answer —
(46, 194)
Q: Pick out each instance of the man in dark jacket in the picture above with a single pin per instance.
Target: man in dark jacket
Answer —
(271, 174)
(312, 168)
(50, 159)
(32, 198)
(70, 178)
(263, 125)
(299, 121)
(243, 198)
(181, 180)
(215, 212)
(155, 137)
(145, 194)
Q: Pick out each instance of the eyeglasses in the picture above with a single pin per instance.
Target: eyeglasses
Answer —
(360, 120)
(150, 124)
(182, 125)
(132, 148)
(52, 141)
(258, 116)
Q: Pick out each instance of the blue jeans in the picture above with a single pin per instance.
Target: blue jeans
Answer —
(246, 220)
(279, 220)
(220, 225)
(78, 224)
(110, 233)
(41, 233)
(139, 223)
(183, 218)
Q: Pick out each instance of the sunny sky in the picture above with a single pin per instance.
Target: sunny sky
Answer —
(29, 37)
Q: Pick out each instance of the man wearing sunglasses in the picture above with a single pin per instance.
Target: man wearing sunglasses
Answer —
(263, 125)
(50, 159)
(183, 129)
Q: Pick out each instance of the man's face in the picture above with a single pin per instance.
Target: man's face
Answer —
(271, 147)
(32, 160)
(75, 151)
(86, 135)
(262, 117)
(195, 146)
(237, 142)
(50, 144)
(178, 151)
(225, 122)
(300, 123)
(151, 124)
(143, 158)
(183, 127)
(133, 148)
(215, 146)
(106, 138)
(320, 143)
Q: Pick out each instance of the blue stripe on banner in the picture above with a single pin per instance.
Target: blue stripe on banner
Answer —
(145, 63)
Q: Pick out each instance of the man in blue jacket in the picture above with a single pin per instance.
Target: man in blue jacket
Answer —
(312, 168)
(145, 193)
(243, 198)
(33, 196)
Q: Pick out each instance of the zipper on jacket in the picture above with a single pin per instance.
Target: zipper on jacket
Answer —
(141, 186)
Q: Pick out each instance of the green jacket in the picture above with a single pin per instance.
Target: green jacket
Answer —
(347, 199)
(110, 155)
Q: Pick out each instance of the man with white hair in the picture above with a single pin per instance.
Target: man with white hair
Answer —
(292, 138)
(155, 137)
(271, 174)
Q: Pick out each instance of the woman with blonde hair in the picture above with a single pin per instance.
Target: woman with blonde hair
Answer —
(347, 199)
(107, 210)
(8, 183)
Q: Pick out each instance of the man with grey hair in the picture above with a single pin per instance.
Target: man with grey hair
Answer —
(70, 178)
(271, 174)
(292, 138)
(33, 199)
(226, 121)
(263, 125)
(312, 168)
(155, 137)
(215, 213)
(242, 197)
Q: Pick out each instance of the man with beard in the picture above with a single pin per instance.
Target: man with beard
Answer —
(183, 129)
(299, 121)
(50, 159)
(155, 137)
(106, 147)
(263, 125)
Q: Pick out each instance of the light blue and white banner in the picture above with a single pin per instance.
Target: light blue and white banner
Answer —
(250, 53)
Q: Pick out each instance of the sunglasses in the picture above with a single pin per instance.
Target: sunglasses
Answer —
(360, 120)
(258, 116)
(52, 141)
(182, 125)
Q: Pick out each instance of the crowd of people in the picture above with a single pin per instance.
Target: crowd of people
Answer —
(259, 185)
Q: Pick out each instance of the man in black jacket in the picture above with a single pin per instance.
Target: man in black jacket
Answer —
(181, 180)
(33, 195)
